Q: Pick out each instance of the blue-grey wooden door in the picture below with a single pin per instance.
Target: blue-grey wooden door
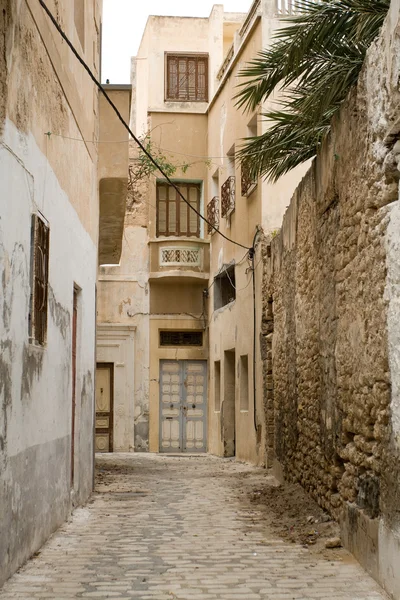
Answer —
(183, 406)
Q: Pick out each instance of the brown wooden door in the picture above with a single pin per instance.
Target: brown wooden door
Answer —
(104, 407)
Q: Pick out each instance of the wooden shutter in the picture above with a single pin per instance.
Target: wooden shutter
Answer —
(187, 78)
(174, 217)
(39, 293)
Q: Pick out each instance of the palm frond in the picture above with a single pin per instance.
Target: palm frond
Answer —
(314, 60)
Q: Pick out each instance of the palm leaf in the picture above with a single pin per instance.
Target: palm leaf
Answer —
(314, 60)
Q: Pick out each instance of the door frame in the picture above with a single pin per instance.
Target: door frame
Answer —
(183, 400)
(110, 367)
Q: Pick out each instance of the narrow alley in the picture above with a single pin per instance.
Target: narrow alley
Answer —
(191, 528)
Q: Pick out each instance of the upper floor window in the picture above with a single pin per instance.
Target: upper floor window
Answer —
(187, 77)
(174, 217)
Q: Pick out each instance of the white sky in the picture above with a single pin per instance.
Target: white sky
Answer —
(125, 20)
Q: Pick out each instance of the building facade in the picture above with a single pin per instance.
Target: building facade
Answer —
(49, 235)
(183, 293)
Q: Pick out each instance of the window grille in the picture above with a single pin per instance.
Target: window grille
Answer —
(180, 256)
(187, 78)
(39, 280)
(213, 214)
(174, 217)
(181, 338)
(248, 182)
(228, 196)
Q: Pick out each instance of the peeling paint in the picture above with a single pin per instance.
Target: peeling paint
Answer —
(32, 363)
(60, 315)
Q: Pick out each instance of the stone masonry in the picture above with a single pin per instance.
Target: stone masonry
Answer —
(328, 365)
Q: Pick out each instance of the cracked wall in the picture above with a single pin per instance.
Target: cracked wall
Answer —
(331, 313)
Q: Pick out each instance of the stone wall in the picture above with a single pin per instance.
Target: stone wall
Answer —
(330, 334)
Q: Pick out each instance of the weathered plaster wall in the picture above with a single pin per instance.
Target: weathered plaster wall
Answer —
(35, 383)
(330, 327)
(41, 87)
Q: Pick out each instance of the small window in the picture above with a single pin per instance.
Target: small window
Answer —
(174, 217)
(244, 383)
(39, 280)
(187, 78)
(181, 338)
(224, 287)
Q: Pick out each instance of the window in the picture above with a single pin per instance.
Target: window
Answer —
(39, 280)
(244, 382)
(174, 217)
(181, 338)
(187, 78)
(224, 287)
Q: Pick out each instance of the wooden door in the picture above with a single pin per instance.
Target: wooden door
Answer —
(183, 406)
(104, 407)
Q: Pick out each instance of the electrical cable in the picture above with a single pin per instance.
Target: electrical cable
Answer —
(121, 119)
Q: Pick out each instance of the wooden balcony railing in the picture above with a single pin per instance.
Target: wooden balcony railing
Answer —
(213, 213)
(228, 196)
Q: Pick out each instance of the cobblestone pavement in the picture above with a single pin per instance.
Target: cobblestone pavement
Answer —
(174, 528)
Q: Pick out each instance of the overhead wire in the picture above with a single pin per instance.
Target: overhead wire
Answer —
(66, 137)
(122, 120)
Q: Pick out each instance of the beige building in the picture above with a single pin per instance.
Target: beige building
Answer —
(49, 237)
(185, 298)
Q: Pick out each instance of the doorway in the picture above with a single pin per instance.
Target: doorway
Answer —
(104, 407)
(183, 406)
(228, 411)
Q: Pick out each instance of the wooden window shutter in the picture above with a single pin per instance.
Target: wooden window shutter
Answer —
(174, 217)
(39, 287)
(187, 78)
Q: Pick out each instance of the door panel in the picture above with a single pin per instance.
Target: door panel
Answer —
(104, 408)
(183, 406)
(171, 388)
(195, 381)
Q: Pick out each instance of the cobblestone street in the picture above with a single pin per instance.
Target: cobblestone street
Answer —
(182, 528)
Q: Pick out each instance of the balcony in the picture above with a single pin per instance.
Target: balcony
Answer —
(213, 214)
(228, 196)
(179, 258)
(248, 183)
